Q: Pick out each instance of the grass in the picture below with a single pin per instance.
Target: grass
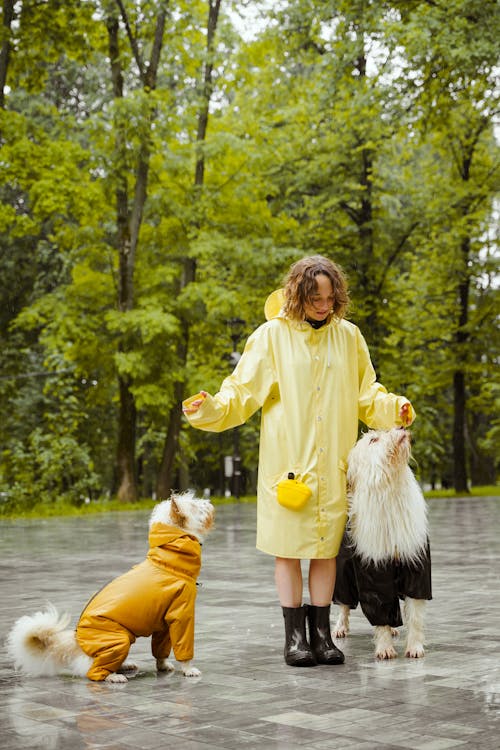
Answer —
(491, 490)
(57, 509)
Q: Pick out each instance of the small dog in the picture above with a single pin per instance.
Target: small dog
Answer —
(155, 598)
(385, 553)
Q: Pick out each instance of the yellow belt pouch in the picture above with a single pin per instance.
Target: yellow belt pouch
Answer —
(293, 494)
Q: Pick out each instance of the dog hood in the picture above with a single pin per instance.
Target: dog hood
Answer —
(173, 548)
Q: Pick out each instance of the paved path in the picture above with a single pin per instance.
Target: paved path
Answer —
(247, 696)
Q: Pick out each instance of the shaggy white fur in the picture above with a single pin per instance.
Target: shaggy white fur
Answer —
(186, 511)
(40, 645)
(387, 521)
(387, 510)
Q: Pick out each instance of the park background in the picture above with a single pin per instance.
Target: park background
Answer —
(163, 163)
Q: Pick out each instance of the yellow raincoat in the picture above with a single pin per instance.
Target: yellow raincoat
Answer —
(312, 385)
(156, 597)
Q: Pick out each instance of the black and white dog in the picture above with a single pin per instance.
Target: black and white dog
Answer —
(385, 553)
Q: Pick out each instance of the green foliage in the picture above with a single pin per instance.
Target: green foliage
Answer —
(46, 467)
(361, 130)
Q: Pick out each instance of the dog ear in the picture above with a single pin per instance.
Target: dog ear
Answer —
(178, 517)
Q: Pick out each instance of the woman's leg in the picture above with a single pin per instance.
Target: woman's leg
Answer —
(322, 581)
(288, 577)
(321, 585)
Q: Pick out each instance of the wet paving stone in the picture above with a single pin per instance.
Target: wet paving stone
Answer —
(247, 697)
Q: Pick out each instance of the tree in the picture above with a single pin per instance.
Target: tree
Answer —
(158, 177)
(129, 217)
(165, 480)
(454, 47)
(7, 18)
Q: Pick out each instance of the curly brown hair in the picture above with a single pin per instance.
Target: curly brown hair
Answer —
(300, 286)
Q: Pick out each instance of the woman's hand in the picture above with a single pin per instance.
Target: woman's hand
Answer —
(405, 415)
(191, 406)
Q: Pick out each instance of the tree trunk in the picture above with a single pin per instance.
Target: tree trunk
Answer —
(481, 465)
(362, 216)
(8, 17)
(127, 490)
(207, 88)
(365, 228)
(459, 392)
(165, 480)
(128, 227)
(459, 453)
(166, 470)
(164, 484)
(462, 339)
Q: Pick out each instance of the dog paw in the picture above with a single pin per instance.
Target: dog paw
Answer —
(340, 631)
(128, 667)
(191, 672)
(386, 653)
(115, 678)
(416, 651)
(164, 665)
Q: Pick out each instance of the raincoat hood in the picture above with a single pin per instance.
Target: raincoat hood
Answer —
(273, 307)
(174, 548)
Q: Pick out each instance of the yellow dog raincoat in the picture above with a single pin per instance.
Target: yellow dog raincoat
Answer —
(155, 598)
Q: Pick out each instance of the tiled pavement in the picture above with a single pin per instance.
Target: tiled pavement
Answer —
(247, 696)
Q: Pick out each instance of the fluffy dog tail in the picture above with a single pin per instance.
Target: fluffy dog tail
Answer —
(40, 645)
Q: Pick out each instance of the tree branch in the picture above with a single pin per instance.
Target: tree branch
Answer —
(152, 68)
(392, 257)
(133, 41)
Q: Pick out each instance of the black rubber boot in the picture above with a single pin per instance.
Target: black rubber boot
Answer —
(297, 650)
(320, 636)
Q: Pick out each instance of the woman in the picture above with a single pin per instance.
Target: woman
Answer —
(310, 371)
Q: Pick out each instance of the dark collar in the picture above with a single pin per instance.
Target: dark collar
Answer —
(316, 323)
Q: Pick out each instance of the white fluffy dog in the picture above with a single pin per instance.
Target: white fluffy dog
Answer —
(155, 598)
(385, 553)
